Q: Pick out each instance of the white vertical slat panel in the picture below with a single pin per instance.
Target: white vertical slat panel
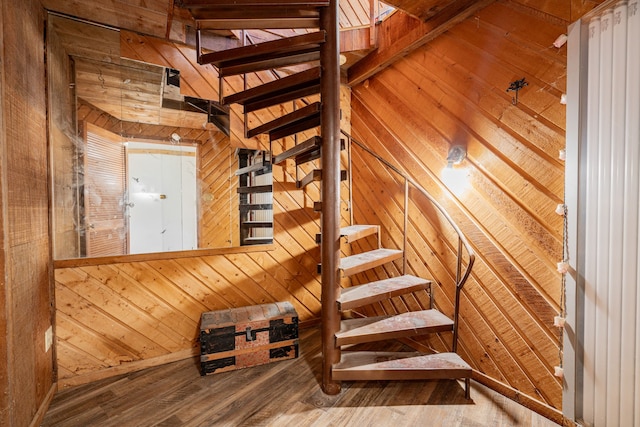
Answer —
(591, 218)
(607, 383)
(629, 355)
(604, 215)
(617, 210)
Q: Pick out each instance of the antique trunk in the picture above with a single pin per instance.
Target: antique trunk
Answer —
(247, 336)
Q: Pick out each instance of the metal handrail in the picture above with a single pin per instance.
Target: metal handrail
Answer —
(461, 278)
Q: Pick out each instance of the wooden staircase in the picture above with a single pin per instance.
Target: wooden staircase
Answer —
(321, 45)
(364, 365)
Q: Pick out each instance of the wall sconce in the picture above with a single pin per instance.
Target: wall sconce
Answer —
(457, 154)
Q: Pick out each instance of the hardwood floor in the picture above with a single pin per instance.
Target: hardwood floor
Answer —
(285, 393)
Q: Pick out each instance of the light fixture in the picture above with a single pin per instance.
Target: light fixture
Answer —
(175, 137)
(456, 155)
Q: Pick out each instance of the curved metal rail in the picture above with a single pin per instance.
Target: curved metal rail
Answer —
(463, 243)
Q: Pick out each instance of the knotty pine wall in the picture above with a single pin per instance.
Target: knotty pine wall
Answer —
(453, 91)
(26, 294)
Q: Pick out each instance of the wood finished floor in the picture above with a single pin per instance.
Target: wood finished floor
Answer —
(279, 394)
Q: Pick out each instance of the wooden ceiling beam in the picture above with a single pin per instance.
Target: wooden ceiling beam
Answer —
(401, 33)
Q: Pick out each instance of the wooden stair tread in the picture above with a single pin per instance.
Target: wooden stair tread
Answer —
(254, 168)
(255, 189)
(257, 224)
(368, 329)
(310, 144)
(282, 90)
(352, 233)
(316, 175)
(360, 262)
(247, 14)
(313, 154)
(258, 240)
(267, 55)
(255, 207)
(358, 296)
(399, 366)
(294, 122)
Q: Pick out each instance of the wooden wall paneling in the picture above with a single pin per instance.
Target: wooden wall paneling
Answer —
(87, 41)
(145, 17)
(381, 131)
(521, 247)
(27, 294)
(547, 215)
(491, 142)
(208, 290)
(147, 336)
(127, 289)
(530, 387)
(218, 276)
(544, 73)
(218, 196)
(195, 80)
(423, 157)
(163, 288)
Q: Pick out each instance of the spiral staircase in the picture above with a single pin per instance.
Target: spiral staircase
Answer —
(319, 50)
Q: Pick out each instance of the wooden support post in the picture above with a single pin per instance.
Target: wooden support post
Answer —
(330, 128)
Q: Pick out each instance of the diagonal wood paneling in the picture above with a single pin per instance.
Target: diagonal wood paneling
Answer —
(515, 181)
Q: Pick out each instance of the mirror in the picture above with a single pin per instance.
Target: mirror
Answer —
(137, 167)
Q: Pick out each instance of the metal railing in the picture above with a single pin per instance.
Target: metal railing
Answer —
(463, 243)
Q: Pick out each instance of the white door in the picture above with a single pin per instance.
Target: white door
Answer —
(162, 197)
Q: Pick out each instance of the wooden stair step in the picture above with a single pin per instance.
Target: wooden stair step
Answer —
(378, 366)
(352, 233)
(255, 14)
(264, 56)
(278, 91)
(297, 121)
(313, 154)
(255, 189)
(378, 328)
(257, 224)
(258, 240)
(256, 167)
(367, 260)
(358, 296)
(255, 207)
(316, 175)
(310, 144)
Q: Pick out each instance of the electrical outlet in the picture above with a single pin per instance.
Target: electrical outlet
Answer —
(48, 339)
